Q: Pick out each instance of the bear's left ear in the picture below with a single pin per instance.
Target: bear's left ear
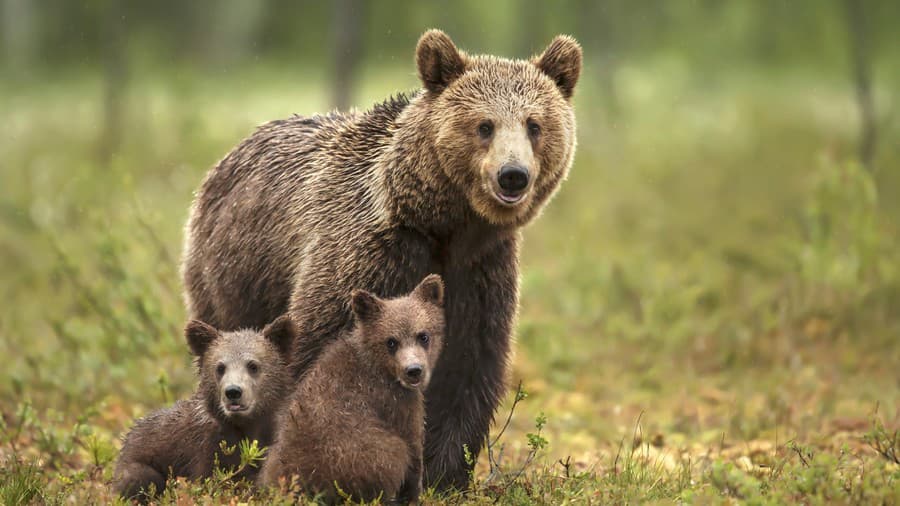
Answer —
(438, 61)
(366, 306)
(431, 289)
(199, 336)
(281, 333)
(562, 62)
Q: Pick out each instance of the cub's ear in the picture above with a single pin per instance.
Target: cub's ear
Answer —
(366, 307)
(438, 61)
(431, 289)
(199, 336)
(562, 62)
(281, 333)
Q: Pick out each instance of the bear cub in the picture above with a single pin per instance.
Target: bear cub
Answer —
(357, 418)
(244, 377)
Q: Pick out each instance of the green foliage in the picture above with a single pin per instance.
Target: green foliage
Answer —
(535, 441)
(20, 483)
(847, 263)
(884, 441)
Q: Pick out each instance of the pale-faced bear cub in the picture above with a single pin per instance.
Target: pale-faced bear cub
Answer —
(244, 378)
(357, 418)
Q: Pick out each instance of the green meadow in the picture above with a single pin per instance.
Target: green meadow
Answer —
(710, 306)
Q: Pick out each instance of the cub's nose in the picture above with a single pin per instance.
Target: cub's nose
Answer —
(513, 178)
(233, 392)
(414, 372)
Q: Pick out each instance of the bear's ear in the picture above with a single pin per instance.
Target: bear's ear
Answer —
(199, 336)
(431, 290)
(281, 333)
(366, 307)
(438, 61)
(562, 62)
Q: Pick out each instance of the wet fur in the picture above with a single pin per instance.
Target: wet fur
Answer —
(308, 208)
(351, 421)
(183, 440)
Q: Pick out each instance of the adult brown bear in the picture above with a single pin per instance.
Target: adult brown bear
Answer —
(307, 209)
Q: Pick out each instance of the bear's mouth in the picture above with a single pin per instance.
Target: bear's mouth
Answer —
(414, 384)
(510, 199)
(411, 385)
(235, 407)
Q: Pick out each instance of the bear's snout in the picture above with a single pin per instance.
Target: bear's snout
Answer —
(233, 392)
(414, 373)
(512, 179)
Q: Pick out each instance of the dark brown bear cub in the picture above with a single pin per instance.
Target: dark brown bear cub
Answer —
(243, 379)
(357, 419)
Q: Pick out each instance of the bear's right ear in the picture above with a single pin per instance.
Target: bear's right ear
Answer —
(366, 307)
(281, 333)
(438, 60)
(431, 289)
(562, 62)
(199, 336)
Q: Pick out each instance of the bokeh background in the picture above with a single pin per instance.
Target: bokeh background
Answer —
(718, 282)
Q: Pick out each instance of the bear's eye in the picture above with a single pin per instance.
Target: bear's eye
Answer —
(253, 367)
(486, 129)
(422, 337)
(392, 344)
(220, 369)
(533, 128)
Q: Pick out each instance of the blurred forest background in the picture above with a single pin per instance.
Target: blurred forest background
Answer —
(710, 306)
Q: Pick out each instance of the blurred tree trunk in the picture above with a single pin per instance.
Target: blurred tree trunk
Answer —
(599, 42)
(862, 76)
(17, 32)
(531, 40)
(347, 33)
(233, 31)
(114, 80)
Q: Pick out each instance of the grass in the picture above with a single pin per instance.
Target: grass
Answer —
(709, 307)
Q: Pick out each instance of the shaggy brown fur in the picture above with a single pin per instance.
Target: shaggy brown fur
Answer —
(357, 418)
(183, 440)
(308, 208)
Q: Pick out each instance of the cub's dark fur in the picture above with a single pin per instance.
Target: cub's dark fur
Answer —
(244, 378)
(357, 418)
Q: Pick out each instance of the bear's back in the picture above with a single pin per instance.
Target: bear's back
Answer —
(264, 205)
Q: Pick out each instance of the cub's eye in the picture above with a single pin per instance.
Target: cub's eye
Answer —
(423, 337)
(220, 369)
(486, 129)
(533, 128)
(253, 367)
(392, 344)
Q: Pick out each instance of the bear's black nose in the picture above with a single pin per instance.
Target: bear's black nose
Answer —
(513, 178)
(233, 392)
(414, 371)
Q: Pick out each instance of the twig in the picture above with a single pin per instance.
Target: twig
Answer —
(520, 395)
(799, 451)
(566, 465)
(494, 463)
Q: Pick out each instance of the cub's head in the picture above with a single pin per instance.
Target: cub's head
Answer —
(504, 129)
(403, 336)
(243, 374)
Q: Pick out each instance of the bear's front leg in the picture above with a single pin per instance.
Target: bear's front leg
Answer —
(469, 380)
(412, 483)
(134, 480)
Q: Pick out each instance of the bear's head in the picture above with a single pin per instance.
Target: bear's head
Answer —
(402, 337)
(503, 130)
(243, 374)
